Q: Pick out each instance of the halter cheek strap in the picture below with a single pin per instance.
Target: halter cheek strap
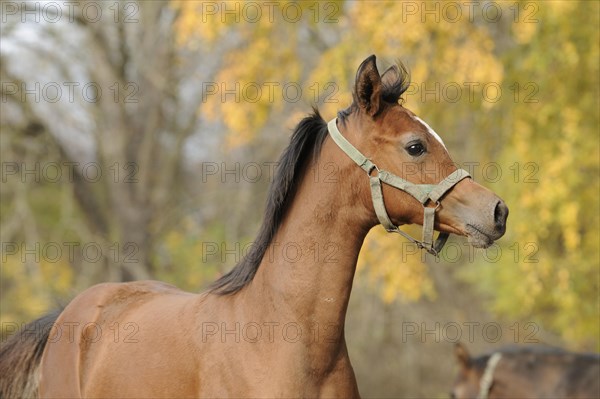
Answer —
(422, 192)
(488, 376)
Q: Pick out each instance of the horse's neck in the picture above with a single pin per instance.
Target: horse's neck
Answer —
(307, 272)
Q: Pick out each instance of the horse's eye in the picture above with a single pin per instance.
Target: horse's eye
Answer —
(415, 149)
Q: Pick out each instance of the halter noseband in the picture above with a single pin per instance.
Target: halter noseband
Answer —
(422, 192)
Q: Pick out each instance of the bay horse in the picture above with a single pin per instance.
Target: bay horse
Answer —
(527, 373)
(274, 325)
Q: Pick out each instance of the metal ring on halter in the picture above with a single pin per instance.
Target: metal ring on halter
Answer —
(373, 167)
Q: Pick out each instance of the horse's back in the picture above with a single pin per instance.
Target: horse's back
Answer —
(121, 326)
(552, 373)
(583, 378)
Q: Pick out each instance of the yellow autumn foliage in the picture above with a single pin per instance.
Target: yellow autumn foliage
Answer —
(34, 283)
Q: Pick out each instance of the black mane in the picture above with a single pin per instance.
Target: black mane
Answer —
(392, 91)
(528, 355)
(305, 145)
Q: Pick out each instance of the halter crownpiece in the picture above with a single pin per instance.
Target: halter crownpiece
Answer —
(421, 192)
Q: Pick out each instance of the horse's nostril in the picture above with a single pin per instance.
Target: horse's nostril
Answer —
(500, 214)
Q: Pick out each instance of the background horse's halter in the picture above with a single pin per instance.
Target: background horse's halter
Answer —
(488, 376)
(422, 192)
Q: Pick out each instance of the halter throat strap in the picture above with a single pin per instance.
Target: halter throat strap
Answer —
(488, 376)
(421, 192)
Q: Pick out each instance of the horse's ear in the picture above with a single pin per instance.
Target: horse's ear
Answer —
(367, 88)
(462, 355)
(391, 76)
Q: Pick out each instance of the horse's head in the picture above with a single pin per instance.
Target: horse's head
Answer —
(526, 372)
(413, 156)
(467, 383)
